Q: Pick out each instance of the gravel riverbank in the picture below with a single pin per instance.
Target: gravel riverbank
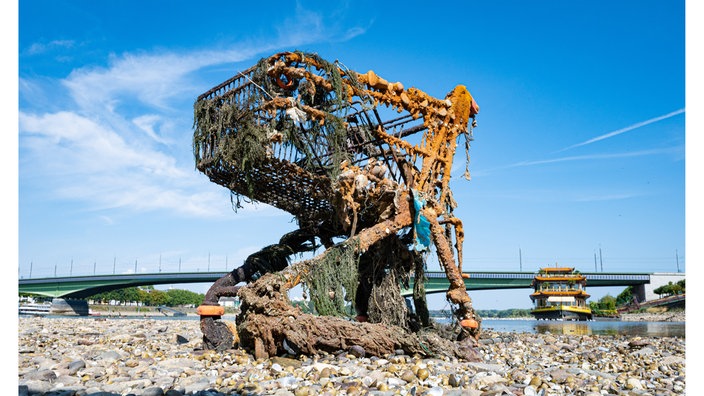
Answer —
(98, 356)
(675, 316)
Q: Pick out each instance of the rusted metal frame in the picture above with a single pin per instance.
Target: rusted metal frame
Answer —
(274, 166)
(444, 141)
(223, 287)
(361, 116)
(404, 119)
(287, 103)
(217, 334)
(447, 169)
(380, 142)
(445, 256)
(408, 131)
(412, 106)
(299, 73)
(229, 92)
(457, 292)
(311, 147)
(284, 103)
(319, 81)
(291, 57)
(399, 100)
(434, 149)
(456, 224)
(408, 100)
(408, 181)
(411, 149)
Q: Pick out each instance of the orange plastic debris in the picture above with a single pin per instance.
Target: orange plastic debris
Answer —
(469, 323)
(210, 310)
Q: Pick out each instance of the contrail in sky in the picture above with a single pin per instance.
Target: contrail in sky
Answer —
(589, 157)
(626, 129)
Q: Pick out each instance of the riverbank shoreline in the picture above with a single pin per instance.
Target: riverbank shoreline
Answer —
(132, 311)
(670, 316)
(152, 357)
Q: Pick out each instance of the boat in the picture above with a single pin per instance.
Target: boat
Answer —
(560, 294)
(33, 309)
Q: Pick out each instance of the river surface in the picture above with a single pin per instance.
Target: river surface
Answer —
(598, 327)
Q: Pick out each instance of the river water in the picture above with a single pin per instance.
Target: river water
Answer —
(597, 327)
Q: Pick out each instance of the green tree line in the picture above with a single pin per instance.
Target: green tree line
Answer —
(670, 289)
(504, 313)
(606, 306)
(490, 313)
(151, 297)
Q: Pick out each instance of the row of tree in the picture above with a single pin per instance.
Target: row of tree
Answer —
(504, 313)
(149, 296)
(670, 289)
(488, 313)
(606, 306)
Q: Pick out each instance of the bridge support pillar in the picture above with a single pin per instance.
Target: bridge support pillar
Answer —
(639, 292)
(60, 306)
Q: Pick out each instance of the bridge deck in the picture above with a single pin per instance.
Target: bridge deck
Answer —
(436, 282)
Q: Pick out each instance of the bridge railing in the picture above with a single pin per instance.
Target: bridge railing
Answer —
(78, 286)
(633, 277)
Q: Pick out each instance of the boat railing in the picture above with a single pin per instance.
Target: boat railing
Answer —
(560, 275)
(559, 289)
(578, 304)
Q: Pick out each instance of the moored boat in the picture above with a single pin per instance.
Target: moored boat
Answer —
(560, 294)
(34, 309)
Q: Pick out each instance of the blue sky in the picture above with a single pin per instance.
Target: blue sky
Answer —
(579, 150)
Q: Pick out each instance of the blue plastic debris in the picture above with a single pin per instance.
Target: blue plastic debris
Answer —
(421, 225)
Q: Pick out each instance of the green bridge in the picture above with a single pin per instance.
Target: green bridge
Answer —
(436, 282)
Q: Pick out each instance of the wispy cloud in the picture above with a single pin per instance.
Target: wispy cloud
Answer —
(624, 130)
(80, 159)
(305, 26)
(148, 123)
(83, 159)
(41, 48)
(605, 197)
(565, 195)
(592, 157)
(110, 141)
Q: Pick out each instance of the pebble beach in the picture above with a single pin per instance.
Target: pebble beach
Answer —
(99, 356)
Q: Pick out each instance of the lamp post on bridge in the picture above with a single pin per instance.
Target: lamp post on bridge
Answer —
(520, 260)
(595, 270)
(677, 259)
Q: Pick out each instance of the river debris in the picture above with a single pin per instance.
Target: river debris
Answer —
(363, 164)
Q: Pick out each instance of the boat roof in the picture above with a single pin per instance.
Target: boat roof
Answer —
(557, 269)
